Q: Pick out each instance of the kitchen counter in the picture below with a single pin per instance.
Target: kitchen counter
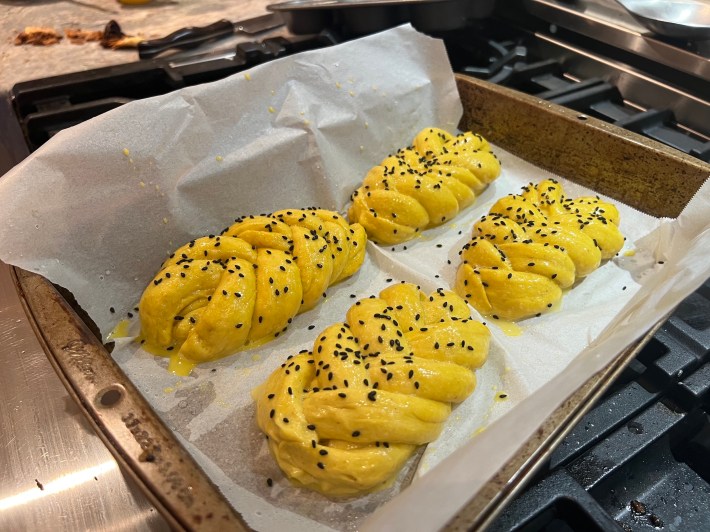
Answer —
(56, 473)
(153, 20)
(55, 469)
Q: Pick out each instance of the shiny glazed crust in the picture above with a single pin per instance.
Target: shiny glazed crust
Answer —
(217, 294)
(343, 418)
(423, 186)
(533, 245)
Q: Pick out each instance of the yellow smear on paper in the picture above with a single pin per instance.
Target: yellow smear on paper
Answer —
(119, 331)
(630, 253)
(181, 366)
(508, 328)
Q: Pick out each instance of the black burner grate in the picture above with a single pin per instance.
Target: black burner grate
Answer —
(508, 61)
(641, 458)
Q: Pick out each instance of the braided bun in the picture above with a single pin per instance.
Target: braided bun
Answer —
(531, 246)
(344, 418)
(217, 294)
(424, 185)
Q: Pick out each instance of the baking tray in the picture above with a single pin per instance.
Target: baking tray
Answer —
(657, 180)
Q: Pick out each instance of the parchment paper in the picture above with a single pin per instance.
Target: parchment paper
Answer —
(98, 207)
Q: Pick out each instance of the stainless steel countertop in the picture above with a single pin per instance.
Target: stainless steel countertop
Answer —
(56, 473)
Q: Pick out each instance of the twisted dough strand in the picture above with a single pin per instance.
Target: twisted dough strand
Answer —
(531, 246)
(217, 294)
(424, 185)
(343, 418)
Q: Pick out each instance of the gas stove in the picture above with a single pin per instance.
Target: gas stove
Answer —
(660, 94)
(639, 459)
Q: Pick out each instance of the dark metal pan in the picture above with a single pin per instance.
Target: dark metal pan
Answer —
(353, 18)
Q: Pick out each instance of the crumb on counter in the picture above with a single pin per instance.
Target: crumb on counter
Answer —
(126, 152)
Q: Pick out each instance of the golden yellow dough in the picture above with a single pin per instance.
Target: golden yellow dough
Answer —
(424, 185)
(533, 245)
(343, 418)
(217, 294)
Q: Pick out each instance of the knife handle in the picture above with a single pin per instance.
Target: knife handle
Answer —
(185, 38)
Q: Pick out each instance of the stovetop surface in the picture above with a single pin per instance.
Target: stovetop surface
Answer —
(611, 86)
(639, 459)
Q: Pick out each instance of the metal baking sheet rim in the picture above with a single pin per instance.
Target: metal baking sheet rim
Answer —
(150, 453)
